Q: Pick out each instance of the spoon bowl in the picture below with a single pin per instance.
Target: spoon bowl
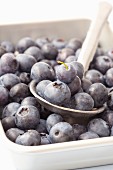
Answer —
(86, 55)
(65, 112)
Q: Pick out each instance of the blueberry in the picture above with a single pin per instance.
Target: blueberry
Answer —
(19, 91)
(65, 73)
(8, 80)
(111, 133)
(77, 53)
(74, 44)
(64, 53)
(99, 52)
(29, 138)
(99, 94)
(35, 52)
(109, 77)
(27, 117)
(85, 84)
(41, 41)
(92, 65)
(49, 51)
(45, 139)
(24, 43)
(70, 104)
(4, 96)
(59, 43)
(61, 132)
(94, 76)
(110, 100)
(9, 64)
(57, 93)
(47, 61)
(53, 63)
(25, 61)
(84, 101)
(88, 135)
(8, 46)
(10, 109)
(70, 59)
(78, 68)
(52, 120)
(99, 126)
(44, 113)
(1, 70)
(2, 51)
(78, 130)
(40, 87)
(25, 77)
(103, 63)
(108, 117)
(81, 90)
(31, 101)
(110, 53)
(75, 85)
(42, 71)
(8, 122)
(41, 128)
(13, 133)
(17, 73)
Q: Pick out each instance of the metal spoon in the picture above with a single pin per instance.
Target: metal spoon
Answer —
(87, 52)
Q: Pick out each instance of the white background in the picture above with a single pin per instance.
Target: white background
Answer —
(21, 11)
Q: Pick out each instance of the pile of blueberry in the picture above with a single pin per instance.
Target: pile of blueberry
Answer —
(53, 64)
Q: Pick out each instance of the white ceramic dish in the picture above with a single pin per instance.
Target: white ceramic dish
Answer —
(68, 155)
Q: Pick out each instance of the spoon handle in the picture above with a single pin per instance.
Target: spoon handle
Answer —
(91, 42)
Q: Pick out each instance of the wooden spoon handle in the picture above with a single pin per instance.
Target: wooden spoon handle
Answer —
(91, 42)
